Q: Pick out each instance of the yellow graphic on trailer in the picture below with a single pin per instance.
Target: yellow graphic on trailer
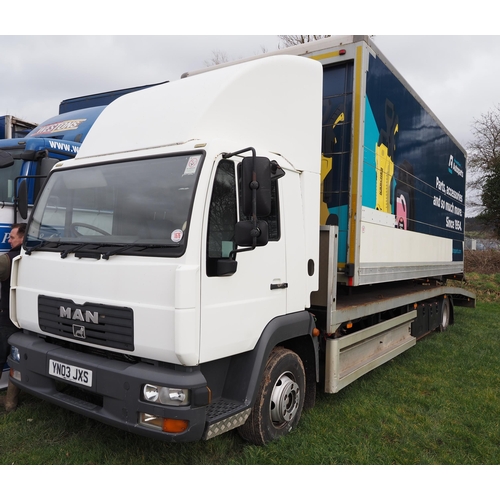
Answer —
(384, 158)
(385, 174)
(326, 167)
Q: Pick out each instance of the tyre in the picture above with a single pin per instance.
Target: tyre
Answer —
(445, 314)
(280, 399)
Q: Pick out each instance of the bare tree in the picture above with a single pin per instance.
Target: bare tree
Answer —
(484, 165)
(218, 57)
(221, 57)
(289, 40)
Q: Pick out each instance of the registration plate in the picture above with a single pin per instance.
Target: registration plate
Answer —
(70, 373)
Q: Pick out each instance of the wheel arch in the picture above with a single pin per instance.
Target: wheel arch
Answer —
(308, 353)
(294, 332)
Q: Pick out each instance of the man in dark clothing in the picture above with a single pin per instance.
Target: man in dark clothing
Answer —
(7, 328)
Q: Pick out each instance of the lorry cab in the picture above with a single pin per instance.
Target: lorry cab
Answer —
(31, 157)
(149, 240)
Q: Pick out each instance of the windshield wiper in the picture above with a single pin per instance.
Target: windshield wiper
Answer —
(73, 249)
(42, 244)
(94, 252)
(107, 255)
(124, 248)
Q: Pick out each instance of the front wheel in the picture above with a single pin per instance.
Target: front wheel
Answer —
(280, 399)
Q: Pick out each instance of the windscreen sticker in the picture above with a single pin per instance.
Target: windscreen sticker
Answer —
(177, 235)
(192, 165)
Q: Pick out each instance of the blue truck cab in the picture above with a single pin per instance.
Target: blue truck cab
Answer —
(33, 156)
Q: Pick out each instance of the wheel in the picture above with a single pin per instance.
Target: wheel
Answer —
(280, 399)
(88, 226)
(445, 314)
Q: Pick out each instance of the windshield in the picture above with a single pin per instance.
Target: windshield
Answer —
(7, 178)
(139, 206)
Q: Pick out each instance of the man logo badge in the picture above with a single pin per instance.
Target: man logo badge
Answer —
(79, 315)
(79, 332)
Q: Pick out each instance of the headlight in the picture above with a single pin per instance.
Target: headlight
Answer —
(165, 395)
(150, 393)
(15, 354)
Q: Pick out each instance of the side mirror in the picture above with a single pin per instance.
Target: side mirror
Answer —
(247, 234)
(6, 159)
(256, 177)
(226, 267)
(22, 199)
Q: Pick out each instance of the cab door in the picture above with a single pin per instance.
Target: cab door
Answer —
(236, 307)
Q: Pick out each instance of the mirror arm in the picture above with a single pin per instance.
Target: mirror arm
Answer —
(241, 151)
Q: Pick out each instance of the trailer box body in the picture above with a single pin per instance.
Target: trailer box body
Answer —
(393, 177)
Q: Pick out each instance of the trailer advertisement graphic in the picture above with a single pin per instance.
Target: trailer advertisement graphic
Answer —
(412, 168)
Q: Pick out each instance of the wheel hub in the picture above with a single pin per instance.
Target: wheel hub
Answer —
(285, 400)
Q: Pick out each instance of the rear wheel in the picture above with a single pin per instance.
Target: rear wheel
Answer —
(280, 399)
(445, 314)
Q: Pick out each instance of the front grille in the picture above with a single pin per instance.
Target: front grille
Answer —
(95, 324)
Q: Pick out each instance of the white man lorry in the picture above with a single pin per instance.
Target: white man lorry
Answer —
(285, 222)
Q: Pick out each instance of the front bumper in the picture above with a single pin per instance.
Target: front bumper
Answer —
(114, 397)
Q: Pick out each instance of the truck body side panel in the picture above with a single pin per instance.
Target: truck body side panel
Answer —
(413, 187)
(393, 178)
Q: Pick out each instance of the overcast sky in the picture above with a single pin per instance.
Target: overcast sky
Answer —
(457, 76)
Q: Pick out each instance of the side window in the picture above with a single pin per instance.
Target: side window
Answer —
(273, 219)
(222, 216)
(7, 176)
